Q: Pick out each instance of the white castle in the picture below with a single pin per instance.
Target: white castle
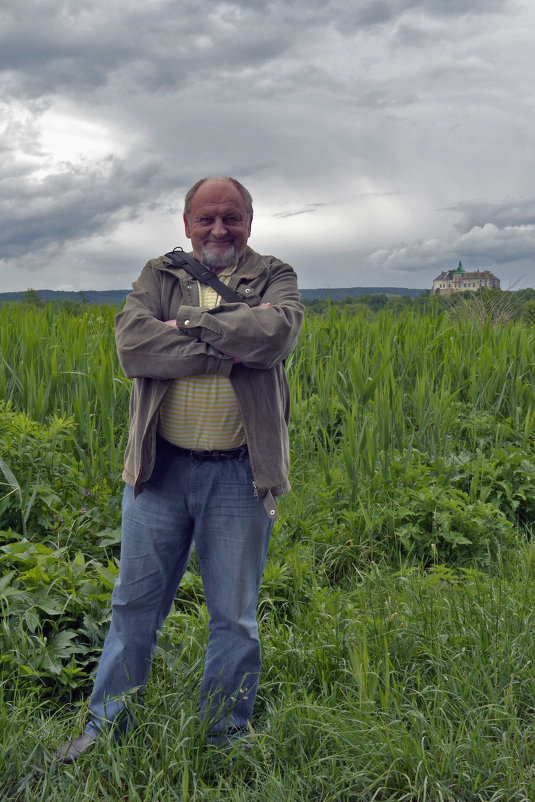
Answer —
(459, 281)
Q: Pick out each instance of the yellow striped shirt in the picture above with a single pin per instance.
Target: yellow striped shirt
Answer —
(202, 412)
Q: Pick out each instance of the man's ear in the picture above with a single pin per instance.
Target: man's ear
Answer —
(186, 225)
(250, 222)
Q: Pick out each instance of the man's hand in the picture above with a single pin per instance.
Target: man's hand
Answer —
(172, 322)
(173, 325)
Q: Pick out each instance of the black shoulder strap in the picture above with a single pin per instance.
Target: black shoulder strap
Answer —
(179, 258)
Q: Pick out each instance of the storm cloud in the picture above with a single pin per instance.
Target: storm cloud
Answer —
(382, 141)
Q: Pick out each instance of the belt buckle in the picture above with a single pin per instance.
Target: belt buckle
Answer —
(202, 456)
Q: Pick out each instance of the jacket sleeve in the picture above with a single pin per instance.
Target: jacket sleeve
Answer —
(258, 337)
(147, 347)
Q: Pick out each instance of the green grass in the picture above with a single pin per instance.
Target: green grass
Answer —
(396, 609)
(398, 685)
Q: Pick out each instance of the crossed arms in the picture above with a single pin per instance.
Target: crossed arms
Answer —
(159, 337)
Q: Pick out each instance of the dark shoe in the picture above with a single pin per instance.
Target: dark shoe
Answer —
(72, 750)
(231, 739)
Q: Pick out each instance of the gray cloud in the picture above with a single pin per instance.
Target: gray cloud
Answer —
(507, 214)
(162, 44)
(394, 122)
(70, 205)
(500, 236)
(311, 207)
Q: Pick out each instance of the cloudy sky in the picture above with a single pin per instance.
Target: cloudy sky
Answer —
(382, 140)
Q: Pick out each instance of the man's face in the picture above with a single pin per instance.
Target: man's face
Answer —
(218, 224)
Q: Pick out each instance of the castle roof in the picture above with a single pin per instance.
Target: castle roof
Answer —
(450, 275)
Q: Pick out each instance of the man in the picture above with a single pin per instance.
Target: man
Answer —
(207, 455)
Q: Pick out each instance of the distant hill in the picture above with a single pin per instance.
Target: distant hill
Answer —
(339, 293)
(88, 296)
(117, 296)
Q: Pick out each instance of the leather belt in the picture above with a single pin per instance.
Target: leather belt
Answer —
(212, 454)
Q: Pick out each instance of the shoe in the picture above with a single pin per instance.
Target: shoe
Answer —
(234, 739)
(72, 750)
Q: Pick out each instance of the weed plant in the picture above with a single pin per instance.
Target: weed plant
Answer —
(396, 609)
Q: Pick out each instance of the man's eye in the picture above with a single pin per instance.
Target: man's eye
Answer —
(232, 221)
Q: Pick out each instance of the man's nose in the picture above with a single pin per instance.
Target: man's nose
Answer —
(219, 228)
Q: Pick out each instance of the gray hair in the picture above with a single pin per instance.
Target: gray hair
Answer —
(246, 195)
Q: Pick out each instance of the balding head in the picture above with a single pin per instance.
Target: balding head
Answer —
(246, 195)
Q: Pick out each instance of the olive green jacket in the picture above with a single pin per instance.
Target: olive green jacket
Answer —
(246, 343)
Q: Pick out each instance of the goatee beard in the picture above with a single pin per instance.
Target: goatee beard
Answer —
(219, 260)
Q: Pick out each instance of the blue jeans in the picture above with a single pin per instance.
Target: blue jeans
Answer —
(210, 504)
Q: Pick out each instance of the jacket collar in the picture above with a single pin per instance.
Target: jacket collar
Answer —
(250, 266)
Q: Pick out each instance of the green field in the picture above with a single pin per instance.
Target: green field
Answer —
(398, 601)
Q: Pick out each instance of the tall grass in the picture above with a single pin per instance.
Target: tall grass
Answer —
(397, 604)
(407, 373)
(53, 362)
(362, 385)
(380, 404)
(392, 412)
